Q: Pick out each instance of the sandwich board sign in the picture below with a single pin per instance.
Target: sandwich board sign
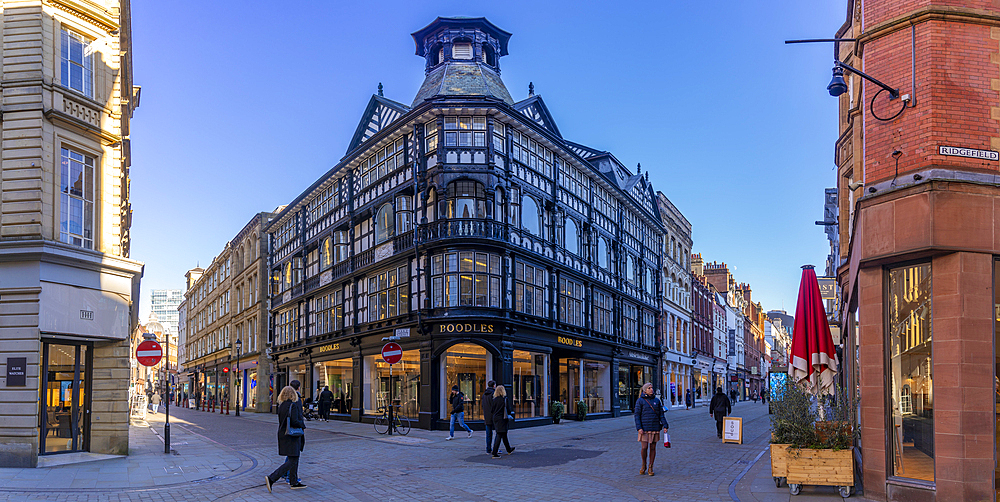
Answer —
(732, 430)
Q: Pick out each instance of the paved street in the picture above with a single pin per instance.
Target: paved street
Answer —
(222, 458)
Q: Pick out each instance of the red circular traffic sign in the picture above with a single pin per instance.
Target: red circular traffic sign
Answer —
(392, 353)
(149, 353)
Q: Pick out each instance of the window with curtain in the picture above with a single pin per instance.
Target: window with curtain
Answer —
(384, 224)
(404, 213)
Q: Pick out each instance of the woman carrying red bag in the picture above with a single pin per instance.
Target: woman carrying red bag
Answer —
(649, 421)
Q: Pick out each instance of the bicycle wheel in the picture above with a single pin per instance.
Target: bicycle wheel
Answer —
(402, 424)
(381, 424)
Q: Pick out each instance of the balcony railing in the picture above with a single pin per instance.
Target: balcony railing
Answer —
(450, 228)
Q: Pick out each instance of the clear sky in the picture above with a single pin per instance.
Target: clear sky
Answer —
(245, 104)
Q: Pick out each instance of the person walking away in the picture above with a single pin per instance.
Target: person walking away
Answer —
(488, 413)
(155, 402)
(457, 412)
(649, 421)
(688, 400)
(289, 413)
(502, 413)
(720, 407)
(763, 396)
(295, 384)
(325, 401)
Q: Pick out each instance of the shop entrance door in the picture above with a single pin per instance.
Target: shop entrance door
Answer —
(65, 411)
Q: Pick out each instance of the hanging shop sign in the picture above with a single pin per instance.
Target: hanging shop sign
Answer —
(465, 328)
(972, 153)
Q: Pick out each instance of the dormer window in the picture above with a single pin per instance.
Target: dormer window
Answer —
(461, 50)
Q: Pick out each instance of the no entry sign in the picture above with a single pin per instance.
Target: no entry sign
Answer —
(392, 353)
(149, 353)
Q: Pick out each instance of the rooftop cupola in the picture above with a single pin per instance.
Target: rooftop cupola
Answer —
(462, 57)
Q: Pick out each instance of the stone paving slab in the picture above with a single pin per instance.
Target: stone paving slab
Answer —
(224, 458)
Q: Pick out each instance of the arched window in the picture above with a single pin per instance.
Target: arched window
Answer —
(466, 199)
(431, 205)
(629, 269)
(498, 205)
(325, 254)
(404, 213)
(530, 216)
(384, 224)
(437, 54)
(603, 255)
(515, 207)
(489, 57)
(340, 246)
(649, 281)
(572, 243)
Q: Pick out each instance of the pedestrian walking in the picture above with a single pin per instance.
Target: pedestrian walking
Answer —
(503, 414)
(325, 401)
(488, 413)
(688, 399)
(754, 395)
(289, 445)
(155, 402)
(457, 412)
(720, 407)
(649, 421)
(763, 396)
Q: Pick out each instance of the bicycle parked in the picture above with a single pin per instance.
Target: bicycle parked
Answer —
(400, 423)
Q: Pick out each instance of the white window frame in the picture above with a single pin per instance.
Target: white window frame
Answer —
(85, 65)
(67, 155)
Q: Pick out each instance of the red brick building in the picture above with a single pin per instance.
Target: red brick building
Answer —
(920, 208)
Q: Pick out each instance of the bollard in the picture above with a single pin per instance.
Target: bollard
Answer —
(227, 406)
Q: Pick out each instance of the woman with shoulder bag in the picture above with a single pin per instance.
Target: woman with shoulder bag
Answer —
(502, 414)
(291, 437)
(649, 420)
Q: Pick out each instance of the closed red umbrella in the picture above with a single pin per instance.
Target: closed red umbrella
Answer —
(814, 357)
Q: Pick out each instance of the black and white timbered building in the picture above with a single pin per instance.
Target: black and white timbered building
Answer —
(496, 249)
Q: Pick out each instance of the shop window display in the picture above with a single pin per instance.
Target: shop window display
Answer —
(530, 384)
(339, 376)
(911, 389)
(468, 366)
(569, 383)
(597, 386)
(405, 380)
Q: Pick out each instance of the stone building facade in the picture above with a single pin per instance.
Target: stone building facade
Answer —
(918, 198)
(494, 248)
(680, 368)
(68, 288)
(226, 319)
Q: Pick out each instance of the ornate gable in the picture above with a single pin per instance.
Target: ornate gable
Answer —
(536, 111)
(378, 115)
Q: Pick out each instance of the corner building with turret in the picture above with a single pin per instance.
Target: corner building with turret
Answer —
(465, 224)
(919, 212)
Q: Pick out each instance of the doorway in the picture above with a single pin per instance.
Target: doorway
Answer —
(65, 390)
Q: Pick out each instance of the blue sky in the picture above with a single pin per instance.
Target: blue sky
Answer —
(244, 104)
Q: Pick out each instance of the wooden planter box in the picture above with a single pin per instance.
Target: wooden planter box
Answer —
(806, 466)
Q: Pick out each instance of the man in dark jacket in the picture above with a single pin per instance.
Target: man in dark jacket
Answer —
(325, 400)
(487, 407)
(457, 412)
(720, 407)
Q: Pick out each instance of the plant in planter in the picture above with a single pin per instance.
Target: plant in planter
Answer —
(581, 410)
(556, 409)
(805, 450)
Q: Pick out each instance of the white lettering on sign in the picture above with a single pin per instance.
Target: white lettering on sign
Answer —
(402, 332)
(972, 153)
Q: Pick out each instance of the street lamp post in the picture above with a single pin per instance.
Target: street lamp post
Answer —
(239, 383)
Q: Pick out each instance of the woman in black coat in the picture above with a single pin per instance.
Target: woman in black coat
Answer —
(649, 420)
(289, 410)
(500, 411)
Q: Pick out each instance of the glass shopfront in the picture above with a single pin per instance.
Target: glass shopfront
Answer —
(251, 386)
(300, 372)
(587, 381)
(631, 378)
(530, 392)
(468, 366)
(911, 389)
(66, 372)
(405, 381)
(339, 376)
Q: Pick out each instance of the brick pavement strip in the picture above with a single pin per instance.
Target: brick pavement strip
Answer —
(224, 458)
